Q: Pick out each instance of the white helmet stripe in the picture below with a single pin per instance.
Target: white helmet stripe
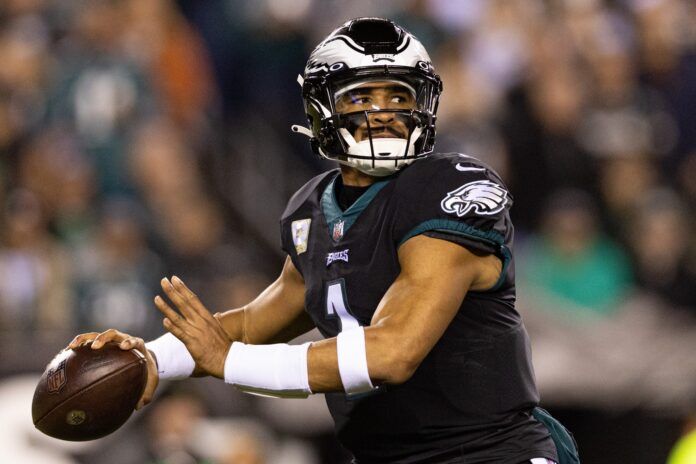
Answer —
(348, 40)
(404, 46)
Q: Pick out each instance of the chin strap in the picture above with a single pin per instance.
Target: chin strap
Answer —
(394, 144)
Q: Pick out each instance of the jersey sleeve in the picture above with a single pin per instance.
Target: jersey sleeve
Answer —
(296, 220)
(287, 242)
(455, 198)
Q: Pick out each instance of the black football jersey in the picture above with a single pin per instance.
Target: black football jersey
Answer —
(471, 398)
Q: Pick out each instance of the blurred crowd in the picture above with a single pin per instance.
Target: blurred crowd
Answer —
(145, 138)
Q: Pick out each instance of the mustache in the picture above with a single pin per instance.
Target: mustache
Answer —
(382, 129)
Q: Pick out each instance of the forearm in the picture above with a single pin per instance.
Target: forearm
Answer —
(382, 364)
(260, 324)
(232, 322)
(322, 367)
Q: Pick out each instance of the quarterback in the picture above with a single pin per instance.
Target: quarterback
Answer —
(402, 259)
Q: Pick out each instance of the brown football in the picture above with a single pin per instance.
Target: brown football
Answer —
(86, 394)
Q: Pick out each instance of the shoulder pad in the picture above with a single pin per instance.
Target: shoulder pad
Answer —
(440, 172)
(454, 193)
(304, 192)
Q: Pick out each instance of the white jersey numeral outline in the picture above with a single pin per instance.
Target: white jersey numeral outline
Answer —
(337, 305)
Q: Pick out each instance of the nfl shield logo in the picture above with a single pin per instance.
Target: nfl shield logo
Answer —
(56, 378)
(338, 231)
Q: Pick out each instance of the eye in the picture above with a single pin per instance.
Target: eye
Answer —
(360, 100)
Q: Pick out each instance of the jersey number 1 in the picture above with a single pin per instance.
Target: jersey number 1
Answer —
(336, 305)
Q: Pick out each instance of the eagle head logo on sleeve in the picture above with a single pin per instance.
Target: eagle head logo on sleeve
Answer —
(483, 197)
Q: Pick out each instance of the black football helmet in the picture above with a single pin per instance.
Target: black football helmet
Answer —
(361, 51)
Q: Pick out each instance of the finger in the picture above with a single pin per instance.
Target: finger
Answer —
(190, 296)
(81, 340)
(148, 393)
(178, 298)
(166, 310)
(152, 377)
(175, 330)
(111, 335)
(131, 343)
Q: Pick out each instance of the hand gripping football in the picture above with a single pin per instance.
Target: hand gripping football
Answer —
(86, 394)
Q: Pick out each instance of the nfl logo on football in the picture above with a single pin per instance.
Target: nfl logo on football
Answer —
(56, 378)
(338, 231)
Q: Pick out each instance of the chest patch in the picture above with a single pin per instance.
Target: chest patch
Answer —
(337, 233)
(483, 197)
(300, 234)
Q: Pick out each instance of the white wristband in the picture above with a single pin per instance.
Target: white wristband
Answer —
(173, 359)
(278, 370)
(352, 361)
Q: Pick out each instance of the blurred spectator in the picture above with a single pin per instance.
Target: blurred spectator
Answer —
(235, 441)
(685, 179)
(465, 118)
(117, 273)
(665, 36)
(541, 130)
(98, 90)
(54, 167)
(169, 428)
(661, 243)
(35, 289)
(190, 229)
(162, 434)
(238, 290)
(162, 163)
(245, 449)
(25, 74)
(175, 58)
(572, 261)
(247, 441)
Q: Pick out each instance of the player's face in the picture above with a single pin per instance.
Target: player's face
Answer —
(378, 95)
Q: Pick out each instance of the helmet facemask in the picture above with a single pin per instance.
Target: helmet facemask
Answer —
(376, 124)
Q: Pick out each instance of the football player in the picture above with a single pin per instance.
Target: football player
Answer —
(402, 259)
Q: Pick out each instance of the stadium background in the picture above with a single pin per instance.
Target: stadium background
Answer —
(144, 138)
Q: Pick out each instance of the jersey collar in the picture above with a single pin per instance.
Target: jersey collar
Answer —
(333, 213)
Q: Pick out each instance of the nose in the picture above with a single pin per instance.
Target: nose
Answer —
(382, 118)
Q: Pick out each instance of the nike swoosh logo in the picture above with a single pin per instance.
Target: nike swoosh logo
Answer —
(467, 168)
